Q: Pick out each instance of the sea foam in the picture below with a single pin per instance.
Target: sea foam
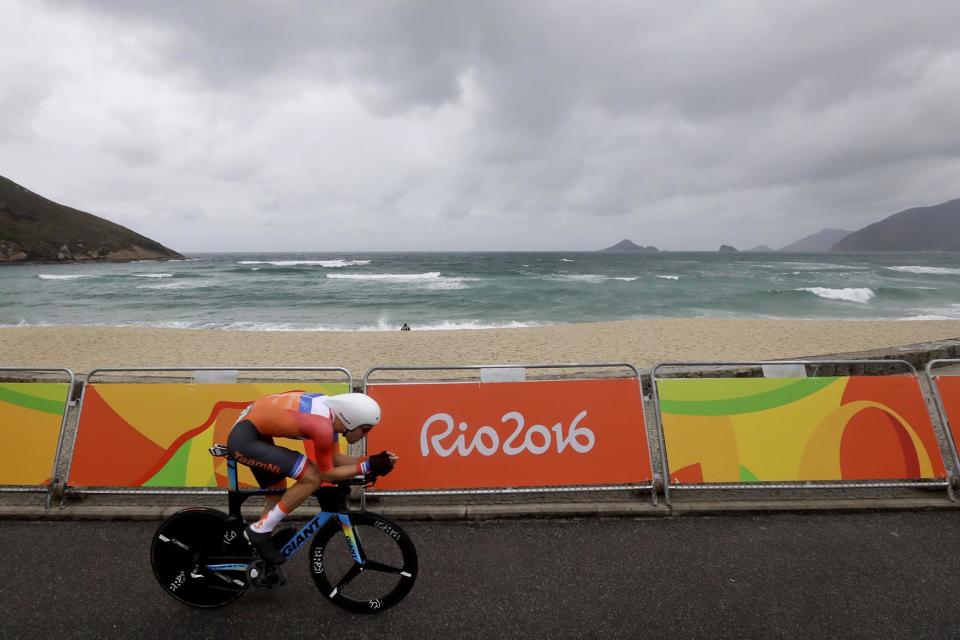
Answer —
(431, 280)
(849, 294)
(580, 277)
(174, 285)
(327, 264)
(48, 276)
(390, 277)
(940, 271)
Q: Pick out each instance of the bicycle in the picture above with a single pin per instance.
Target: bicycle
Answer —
(201, 557)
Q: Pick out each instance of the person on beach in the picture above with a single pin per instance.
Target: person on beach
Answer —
(405, 327)
(303, 416)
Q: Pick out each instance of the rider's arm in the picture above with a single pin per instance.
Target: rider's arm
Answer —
(339, 473)
(343, 460)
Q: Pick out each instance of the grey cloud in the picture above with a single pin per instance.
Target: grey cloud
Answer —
(780, 115)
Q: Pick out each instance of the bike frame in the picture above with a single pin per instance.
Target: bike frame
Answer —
(302, 537)
(332, 501)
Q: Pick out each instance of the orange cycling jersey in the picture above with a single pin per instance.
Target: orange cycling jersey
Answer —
(302, 416)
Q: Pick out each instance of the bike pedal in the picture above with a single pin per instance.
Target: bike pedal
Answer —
(277, 578)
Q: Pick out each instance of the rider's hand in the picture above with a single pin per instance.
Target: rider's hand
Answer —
(381, 463)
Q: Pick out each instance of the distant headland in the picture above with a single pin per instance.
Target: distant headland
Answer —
(934, 228)
(34, 229)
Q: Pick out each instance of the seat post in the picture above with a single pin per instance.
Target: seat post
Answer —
(231, 473)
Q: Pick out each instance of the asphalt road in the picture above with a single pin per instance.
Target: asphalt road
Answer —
(876, 575)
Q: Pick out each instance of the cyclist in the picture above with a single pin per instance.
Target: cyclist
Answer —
(305, 416)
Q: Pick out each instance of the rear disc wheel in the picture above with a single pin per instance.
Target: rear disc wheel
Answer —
(181, 545)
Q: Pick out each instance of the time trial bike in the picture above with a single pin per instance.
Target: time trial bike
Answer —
(359, 560)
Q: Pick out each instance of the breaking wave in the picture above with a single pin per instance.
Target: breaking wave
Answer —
(48, 276)
(860, 295)
(940, 271)
(327, 264)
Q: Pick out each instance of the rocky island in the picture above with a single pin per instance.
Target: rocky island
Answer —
(628, 246)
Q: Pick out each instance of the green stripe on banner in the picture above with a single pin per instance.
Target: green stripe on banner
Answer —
(747, 476)
(174, 473)
(29, 401)
(745, 404)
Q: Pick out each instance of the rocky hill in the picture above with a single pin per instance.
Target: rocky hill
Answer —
(627, 246)
(935, 228)
(817, 242)
(34, 229)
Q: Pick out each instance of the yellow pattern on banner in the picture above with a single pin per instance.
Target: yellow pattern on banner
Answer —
(30, 417)
(817, 429)
(769, 443)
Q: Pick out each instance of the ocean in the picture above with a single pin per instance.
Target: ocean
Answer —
(381, 291)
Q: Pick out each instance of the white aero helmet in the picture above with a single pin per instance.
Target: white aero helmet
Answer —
(354, 409)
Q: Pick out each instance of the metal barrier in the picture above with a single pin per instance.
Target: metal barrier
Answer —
(486, 440)
(225, 376)
(43, 405)
(934, 455)
(942, 409)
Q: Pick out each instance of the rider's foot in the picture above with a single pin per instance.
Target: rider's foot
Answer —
(264, 545)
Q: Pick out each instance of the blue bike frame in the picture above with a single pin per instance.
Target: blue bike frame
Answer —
(301, 537)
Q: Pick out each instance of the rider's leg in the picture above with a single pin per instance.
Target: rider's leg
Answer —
(303, 488)
(269, 502)
(270, 465)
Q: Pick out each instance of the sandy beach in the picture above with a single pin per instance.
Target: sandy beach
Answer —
(642, 343)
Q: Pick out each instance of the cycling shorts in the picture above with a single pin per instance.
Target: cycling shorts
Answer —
(270, 463)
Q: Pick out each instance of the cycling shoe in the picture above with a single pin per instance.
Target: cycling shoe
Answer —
(263, 543)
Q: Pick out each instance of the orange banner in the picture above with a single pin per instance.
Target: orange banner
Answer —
(512, 434)
(159, 434)
(949, 388)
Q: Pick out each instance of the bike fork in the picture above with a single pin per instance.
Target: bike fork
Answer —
(352, 540)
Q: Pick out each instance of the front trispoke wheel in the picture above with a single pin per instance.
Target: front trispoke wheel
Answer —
(373, 565)
(352, 573)
(387, 571)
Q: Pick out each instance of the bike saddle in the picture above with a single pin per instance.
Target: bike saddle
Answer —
(219, 451)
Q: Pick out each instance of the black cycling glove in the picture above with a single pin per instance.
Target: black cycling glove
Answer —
(381, 464)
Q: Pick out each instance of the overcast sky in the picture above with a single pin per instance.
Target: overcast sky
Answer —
(352, 126)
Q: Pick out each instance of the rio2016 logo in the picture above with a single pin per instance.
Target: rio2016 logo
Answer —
(537, 439)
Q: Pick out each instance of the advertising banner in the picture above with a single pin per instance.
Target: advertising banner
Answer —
(512, 434)
(744, 430)
(30, 417)
(158, 435)
(949, 390)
